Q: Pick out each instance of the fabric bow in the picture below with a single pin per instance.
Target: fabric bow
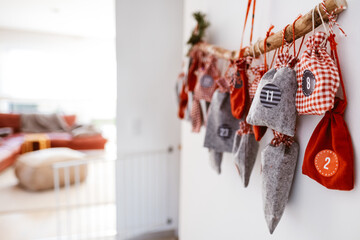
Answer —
(281, 138)
(244, 128)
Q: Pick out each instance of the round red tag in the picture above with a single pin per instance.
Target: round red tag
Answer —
(326, 163)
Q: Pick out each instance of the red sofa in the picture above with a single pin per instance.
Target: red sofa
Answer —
(10, 147)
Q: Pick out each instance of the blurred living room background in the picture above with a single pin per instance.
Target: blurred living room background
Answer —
(58, 57)
(89, 145)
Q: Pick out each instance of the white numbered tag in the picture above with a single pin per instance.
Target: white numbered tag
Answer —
(308, 83)
(224, 131)
(206, 81)
(326, 163)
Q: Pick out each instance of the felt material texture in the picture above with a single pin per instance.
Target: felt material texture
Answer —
(278, 167)
(331, 134)
(245, 151)
(221, 125)
(274, 101)
(215, 160)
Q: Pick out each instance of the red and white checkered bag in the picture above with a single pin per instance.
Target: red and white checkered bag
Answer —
(258, 71)
(204, 89)
(317, 78)
(206, 80)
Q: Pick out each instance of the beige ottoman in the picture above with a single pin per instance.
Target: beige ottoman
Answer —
(35, 172)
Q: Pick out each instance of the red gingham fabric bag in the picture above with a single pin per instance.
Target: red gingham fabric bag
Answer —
(258, 71)
(317, 78)
(204, 89)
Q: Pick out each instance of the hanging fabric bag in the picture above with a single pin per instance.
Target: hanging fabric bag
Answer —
(317, 76)
(278, 160)
(239, 94)
(221, 125)
(245, 150)
(274, 101)
(196, 62)
(258, 72)
(204, 89)
(329, 155)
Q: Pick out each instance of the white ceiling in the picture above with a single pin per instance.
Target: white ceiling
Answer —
(70, 17)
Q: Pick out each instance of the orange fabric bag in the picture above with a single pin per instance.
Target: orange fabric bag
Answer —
(329, 156)
(196, 62)
(239, 94)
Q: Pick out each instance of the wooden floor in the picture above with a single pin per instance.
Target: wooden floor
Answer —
(165, 235)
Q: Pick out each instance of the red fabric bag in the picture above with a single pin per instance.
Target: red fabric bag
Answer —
(329, 157)
(239, 94)
(196, 62)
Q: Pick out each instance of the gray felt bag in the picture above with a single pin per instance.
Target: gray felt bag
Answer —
(245, 150)
(274, 101)
(215, 160)
(279, 160)
(221, 127)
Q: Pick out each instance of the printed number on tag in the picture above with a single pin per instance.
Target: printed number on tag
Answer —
(224, 131)
(206, 81)
(326, 163)
(270, 95)
(308, 83)
(236, 80)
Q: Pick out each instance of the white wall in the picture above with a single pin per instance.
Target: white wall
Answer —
(75, 74)
(149, 58)
(216, 207)
(149, 55)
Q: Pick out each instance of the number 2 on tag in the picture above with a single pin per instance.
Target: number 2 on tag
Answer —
(327, 161)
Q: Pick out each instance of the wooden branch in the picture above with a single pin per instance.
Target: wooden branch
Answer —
(302, 27)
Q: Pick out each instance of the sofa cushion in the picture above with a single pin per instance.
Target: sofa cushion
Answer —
(10, 149)
(70, 119)
(10, 120)
(80, 143)
(34, 170)
(13, 120)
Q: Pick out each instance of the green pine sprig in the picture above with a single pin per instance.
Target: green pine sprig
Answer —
(199, 32)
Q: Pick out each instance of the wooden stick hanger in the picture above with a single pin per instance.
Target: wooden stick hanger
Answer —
(302, 27)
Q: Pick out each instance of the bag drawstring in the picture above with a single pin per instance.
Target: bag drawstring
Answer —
(331, 17)
(333, 44)
(294, 40)
(268, 33)
(252, 25)
(281, 138)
